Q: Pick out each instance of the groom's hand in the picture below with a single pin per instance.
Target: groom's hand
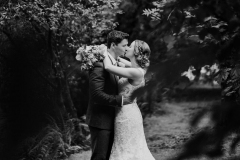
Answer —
(120, 64)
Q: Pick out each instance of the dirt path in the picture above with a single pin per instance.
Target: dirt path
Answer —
(165, 133)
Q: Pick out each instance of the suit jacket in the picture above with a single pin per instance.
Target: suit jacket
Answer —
(103, 98)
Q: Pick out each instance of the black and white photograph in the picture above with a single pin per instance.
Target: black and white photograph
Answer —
(119, 79)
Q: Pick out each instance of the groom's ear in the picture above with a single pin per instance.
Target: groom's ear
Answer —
(113, 45)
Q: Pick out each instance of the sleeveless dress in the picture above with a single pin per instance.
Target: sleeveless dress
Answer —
(129, 138)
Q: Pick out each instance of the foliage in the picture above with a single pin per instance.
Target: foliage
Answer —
(212, 27)
(209, 24)
(63, 26)
(54, 143)
(140, 27)
(38, 42)
(211, 140)
(78, 23)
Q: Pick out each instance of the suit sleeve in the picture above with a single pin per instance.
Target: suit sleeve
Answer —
(97, 83)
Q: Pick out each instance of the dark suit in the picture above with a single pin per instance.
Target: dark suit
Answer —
(103, 99)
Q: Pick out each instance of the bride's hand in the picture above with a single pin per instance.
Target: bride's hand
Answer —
(105, 53)
(103, 49)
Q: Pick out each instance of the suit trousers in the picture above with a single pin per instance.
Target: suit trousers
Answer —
(101, 143)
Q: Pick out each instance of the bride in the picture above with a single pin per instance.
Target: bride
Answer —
(129, 139)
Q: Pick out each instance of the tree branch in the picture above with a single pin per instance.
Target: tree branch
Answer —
(38, 30)
(170, 14)
(31, 19)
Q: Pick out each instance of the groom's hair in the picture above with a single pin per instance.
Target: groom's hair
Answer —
(115, 37)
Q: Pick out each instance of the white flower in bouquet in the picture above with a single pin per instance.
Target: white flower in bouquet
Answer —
(88, 48)
(90, 55)
(79, 56)
(94, 60)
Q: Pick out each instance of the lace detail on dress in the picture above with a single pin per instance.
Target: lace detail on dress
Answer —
(129, 139)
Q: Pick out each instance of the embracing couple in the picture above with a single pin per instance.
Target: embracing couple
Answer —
(114, 120)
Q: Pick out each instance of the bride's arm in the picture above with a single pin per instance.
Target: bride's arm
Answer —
(131, 73)
(124, 61)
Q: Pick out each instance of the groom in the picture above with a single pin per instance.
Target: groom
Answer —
(104, 98)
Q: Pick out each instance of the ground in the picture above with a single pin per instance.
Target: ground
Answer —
(165, 133)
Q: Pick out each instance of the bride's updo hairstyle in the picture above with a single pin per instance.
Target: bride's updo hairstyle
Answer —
(142, 53)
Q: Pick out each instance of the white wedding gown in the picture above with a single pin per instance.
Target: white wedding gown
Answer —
(129, 138)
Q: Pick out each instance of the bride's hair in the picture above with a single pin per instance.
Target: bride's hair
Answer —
(142, 53)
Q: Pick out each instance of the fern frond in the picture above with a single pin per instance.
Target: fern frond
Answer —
(53, 143)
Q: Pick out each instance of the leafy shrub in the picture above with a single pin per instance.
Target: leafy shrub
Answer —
(54, 142)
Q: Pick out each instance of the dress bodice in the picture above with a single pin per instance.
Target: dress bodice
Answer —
(126, 89)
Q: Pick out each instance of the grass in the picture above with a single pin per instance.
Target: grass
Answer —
(167, 133)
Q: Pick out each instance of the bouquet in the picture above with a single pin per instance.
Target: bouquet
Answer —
(89, 55)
